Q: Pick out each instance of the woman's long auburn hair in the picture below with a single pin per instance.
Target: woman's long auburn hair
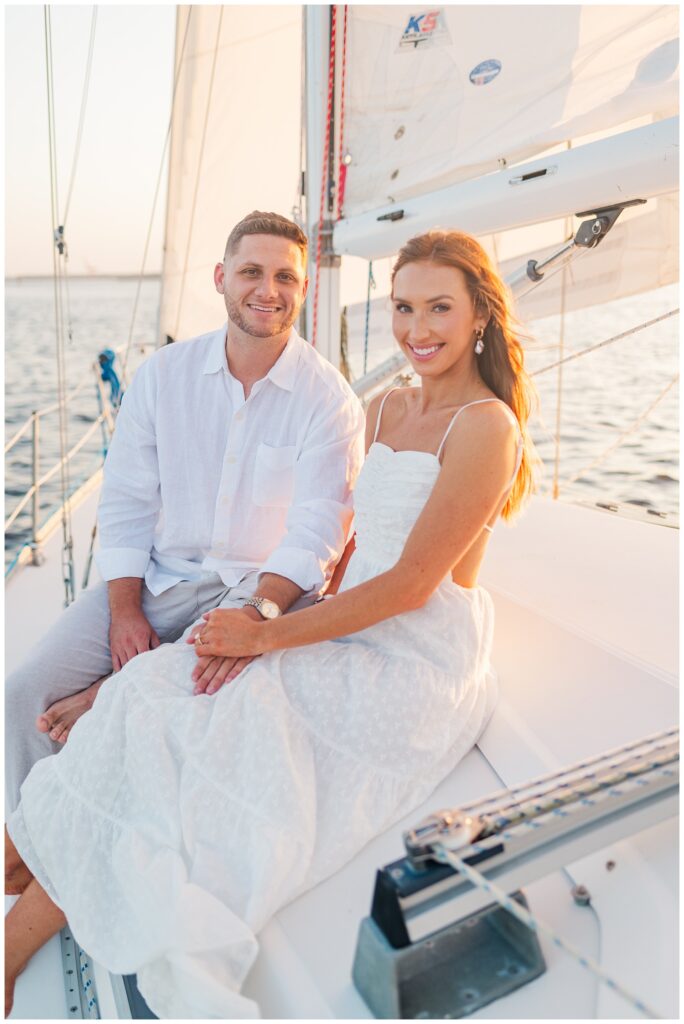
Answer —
(501, 364)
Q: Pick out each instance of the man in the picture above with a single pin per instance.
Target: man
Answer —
(228, 482)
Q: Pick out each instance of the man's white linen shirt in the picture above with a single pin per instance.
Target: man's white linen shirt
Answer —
(198, 479)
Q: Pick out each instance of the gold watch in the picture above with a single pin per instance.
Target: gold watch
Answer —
(267, 609)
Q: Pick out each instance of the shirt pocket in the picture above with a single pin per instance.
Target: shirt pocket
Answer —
(274, 476)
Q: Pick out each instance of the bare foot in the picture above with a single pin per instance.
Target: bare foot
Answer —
(60, 717)
(11, 975)
(17, 875)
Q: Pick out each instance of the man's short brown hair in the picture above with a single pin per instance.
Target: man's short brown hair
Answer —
(258, 223)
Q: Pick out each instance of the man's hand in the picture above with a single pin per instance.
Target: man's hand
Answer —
(212, 671)
(129, 634)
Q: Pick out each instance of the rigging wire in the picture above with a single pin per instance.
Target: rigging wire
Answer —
(81, 120)
(193, 207)
(58, 253)
(124, 361)
(324, 168)
(607, 341)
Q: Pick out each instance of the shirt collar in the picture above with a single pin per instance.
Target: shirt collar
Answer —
(216, 356)
(283, 371)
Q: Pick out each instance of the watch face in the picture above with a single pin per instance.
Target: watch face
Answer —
(269, 609)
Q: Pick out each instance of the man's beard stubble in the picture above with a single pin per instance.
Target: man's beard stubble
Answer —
(236, 317)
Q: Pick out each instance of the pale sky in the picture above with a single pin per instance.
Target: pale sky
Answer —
(125, 125)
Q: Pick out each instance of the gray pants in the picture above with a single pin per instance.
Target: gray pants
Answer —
(75, 652)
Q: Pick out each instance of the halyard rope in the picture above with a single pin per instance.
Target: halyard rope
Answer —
(342, 172)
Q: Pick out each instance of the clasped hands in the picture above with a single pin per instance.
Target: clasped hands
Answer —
(229, 639)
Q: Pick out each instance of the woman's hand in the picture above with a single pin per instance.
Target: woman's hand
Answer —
(228, 633)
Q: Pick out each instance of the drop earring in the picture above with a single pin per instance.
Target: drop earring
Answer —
(479, 343)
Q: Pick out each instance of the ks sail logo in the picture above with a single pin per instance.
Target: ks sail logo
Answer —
(422, 29)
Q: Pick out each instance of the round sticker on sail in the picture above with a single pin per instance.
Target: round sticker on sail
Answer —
(485, 72)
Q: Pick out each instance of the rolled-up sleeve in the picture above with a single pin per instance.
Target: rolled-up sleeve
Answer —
(320, 515)
(130, 500)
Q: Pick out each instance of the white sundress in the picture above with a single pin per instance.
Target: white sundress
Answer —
(172, 827)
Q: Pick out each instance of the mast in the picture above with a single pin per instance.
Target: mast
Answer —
(323, 300)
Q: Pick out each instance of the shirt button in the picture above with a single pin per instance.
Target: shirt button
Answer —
(225, 500)
(230, 459)
(239, 415)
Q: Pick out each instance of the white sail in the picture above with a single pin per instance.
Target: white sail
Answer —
(235, 145)
(421, 115)
(444, 104)
(438, 96)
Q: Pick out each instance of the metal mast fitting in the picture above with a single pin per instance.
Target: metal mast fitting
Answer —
(589, 234)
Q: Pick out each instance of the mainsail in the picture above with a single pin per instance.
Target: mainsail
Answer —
(440, 96)
(435, 99)
(444, 103)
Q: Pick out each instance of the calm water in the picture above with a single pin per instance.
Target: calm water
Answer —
(603, 392)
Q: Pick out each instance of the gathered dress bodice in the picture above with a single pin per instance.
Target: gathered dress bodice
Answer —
(391, 492)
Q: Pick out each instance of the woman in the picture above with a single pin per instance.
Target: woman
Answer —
(172, 827)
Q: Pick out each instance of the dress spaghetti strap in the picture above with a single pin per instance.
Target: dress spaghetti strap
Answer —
(382, 406)
(481, 401)
(518, 460)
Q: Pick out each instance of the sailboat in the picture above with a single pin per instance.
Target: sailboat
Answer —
(551, 134)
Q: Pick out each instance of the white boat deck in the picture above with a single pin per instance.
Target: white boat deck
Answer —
(586, 650)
